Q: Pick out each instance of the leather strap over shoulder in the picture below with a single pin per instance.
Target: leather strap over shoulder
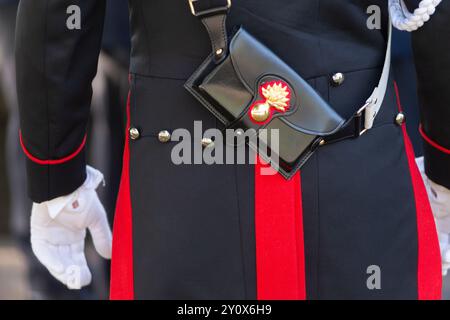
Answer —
(213, 14)
(364, 118)
(373, 104)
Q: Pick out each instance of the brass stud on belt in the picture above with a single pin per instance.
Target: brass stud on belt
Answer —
(400, 118)
(164, 136)
(134, 133)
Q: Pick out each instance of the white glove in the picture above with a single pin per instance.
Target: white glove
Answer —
(58, 231)
(440, 205)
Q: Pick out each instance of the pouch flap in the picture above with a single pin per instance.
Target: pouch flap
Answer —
(254, 63)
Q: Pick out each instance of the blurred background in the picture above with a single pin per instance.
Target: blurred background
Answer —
(21, 276)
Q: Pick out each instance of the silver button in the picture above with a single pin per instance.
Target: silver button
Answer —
(400, 118)
(337, 79)
(164, 136)
(207, 142)
(134, 133)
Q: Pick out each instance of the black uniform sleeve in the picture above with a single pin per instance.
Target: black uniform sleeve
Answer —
(56, 63)
(431, 47)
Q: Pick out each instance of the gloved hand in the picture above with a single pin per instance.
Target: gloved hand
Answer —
(58, 231)
(440, 204)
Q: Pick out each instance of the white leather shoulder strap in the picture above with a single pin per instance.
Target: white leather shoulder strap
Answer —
(373, 104)
(402, 19)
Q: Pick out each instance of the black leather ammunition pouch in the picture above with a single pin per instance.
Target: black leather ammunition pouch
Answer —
(233, 89)
(246, 86)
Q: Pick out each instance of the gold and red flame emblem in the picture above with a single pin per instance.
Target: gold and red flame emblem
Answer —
(277, 97)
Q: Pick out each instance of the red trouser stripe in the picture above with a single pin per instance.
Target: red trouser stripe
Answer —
(429, 279)
(122, 278)
(280, 261)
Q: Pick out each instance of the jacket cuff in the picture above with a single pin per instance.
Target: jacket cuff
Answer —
(47, 182)
(437, 161)
(50, 179)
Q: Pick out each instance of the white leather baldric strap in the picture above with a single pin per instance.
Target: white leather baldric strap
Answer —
(402, 19)
(373, 104)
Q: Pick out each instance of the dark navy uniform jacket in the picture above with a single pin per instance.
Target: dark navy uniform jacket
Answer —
(215, 232)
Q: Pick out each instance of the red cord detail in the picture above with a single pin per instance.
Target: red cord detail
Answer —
(51, 162)
(431, 142)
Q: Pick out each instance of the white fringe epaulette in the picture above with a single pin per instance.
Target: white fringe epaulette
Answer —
(404, 20)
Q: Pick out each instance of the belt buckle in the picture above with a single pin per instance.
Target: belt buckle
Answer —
(191, 5)
(359, 114)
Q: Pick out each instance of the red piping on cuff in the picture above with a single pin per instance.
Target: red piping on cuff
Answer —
(51, 162)
(431, 142)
